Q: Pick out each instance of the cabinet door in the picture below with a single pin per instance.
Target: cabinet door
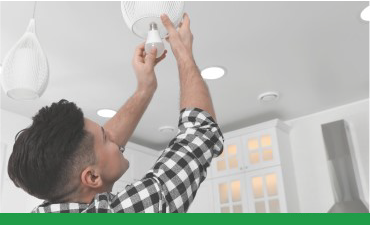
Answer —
(203, 202)
(230, 195)
(230, 161)
(260, 149)
(265, 191)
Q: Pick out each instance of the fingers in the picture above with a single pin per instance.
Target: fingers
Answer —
(139, 49)
(180, 25)
(151, 57)
(159, 59)
(139, 53)
(186, 21)
(167, 38)
(168, 24)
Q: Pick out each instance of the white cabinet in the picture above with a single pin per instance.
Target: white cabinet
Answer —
(265, 191)
(260, 149)
(259, 191)
(230, 161)
(255, 171)
(230, 195)
(248, 151)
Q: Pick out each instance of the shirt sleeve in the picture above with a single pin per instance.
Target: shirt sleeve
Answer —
(172, 183)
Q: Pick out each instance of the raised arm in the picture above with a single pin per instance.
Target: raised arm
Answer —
(172, 183)
(123, 124)
(193, 90)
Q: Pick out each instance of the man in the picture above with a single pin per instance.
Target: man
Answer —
(72, 162)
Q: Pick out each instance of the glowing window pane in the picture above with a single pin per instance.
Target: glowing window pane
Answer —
(232, 149)
(237, 209)
(274, 206)
(271, 181)
(233, 163)
(223, 193)
(236, 191)
(224, 209)
(253, 144)
(266, 140)
(260, 207)
(254, 157)
(267, 155)
(257, 185)
(220, 165)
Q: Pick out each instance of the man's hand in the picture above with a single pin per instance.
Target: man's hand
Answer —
(144, 67)
(181, 41)
(193, 89)
(122, 125)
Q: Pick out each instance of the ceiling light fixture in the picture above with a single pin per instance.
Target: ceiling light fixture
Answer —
(213, 72)
(143, 19)
(268, 97)
(366, 14)
(25, 70)
(166, 129)
(106, 113)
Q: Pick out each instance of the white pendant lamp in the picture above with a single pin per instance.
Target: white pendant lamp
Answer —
(143, 19)
(25, 73)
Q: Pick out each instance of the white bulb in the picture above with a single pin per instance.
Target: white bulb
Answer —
(154, 40)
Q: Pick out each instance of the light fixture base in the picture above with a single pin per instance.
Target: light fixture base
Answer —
(166, 129)
(268, 97)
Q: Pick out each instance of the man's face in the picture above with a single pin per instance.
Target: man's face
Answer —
(110, 161)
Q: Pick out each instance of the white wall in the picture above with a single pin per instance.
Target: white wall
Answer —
(13, 199)
(310, 161)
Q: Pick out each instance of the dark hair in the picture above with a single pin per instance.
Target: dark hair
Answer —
(49, 156)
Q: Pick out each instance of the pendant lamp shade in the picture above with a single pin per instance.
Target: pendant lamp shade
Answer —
(138, 15)
(25, 72)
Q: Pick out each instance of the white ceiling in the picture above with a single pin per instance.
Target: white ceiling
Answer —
(315, 54)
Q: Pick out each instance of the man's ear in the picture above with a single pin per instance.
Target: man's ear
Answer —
(90, 177)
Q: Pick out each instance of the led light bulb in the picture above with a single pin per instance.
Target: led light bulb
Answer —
(154, 40)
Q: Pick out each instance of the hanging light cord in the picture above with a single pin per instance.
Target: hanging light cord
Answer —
(34, 9)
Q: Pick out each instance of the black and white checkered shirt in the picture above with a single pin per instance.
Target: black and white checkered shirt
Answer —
(172, 183)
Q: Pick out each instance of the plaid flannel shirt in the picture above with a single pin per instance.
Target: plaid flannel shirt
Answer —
(172, 183)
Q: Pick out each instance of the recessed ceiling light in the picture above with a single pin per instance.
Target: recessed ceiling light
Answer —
(107, 113)
(268, 97)
(366, 14)
(213, 72)
(166, 129)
